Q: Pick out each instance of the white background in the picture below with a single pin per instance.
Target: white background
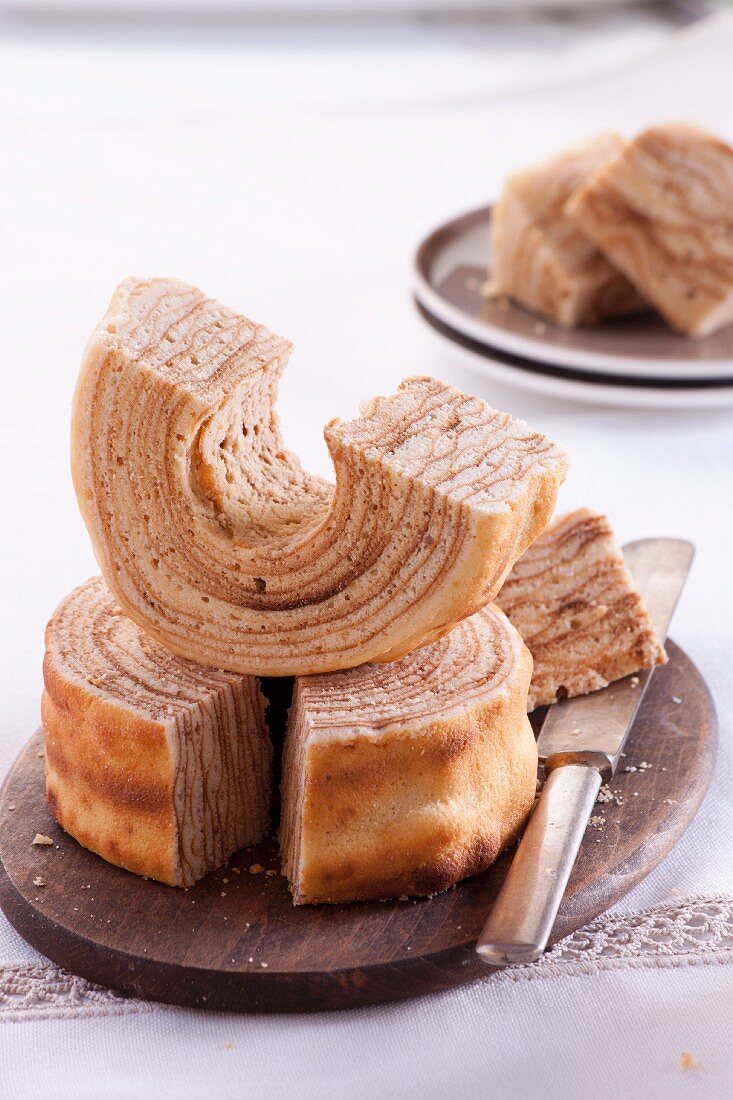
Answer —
(291, 174)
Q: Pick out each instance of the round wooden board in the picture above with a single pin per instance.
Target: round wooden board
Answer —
(235, 941)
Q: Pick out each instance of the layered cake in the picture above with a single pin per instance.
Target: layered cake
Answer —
(574, 601)
(540, 258)
(661, 211)
(218, 544)
(157, 765)
(401, 779)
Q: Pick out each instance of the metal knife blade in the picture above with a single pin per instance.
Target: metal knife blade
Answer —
(597, 725)
(580, 743)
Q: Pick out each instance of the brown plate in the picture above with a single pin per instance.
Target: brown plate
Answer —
(450, 270)
(235, 941)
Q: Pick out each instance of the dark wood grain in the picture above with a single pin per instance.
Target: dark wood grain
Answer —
(208, 946)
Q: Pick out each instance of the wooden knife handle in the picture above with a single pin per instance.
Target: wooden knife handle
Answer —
(521, 920)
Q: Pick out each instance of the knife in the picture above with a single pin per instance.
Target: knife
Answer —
(580, 744)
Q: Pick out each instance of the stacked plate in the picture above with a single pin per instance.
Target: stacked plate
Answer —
(635, 361)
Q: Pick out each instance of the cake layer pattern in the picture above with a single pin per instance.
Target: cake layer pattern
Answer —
(160, 766)
(401, 779)
(214, 539)
(662, 212)
(574, 601)
(540, 258)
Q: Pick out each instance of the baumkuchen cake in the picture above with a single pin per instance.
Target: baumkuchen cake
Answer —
(403, 778)
(574, 602)
(159, 766)
(662, 212)
(540, 258)
(214, 539)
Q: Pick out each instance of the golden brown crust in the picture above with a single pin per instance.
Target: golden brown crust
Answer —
(574, 602)
(404, 779)
(661, 211)
(222, 548)
(109, 779)
(157, 766)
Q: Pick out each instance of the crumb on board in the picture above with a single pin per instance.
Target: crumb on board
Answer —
(40, 839)
(271, 872)
(256, 869)
(687, 1060)
(634, 681)
(38, 881)
(236, 871)
(605, 794)
(597, 821)
(676, 700)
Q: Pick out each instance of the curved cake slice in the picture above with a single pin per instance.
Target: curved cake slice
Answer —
(540, 258)
(157, 765)
(404, 778)
(574, 602)
(216, 541)
(662, 212)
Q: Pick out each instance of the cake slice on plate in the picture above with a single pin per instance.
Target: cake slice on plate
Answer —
(155, 764)
(574, 601)
(538, 255)
(661, 211)
(402, 778)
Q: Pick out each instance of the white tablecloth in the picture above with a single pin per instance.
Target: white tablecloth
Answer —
(296, 191)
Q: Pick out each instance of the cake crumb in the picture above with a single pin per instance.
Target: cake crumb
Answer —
(597, 820)
(676, 699)
(256, 869)
(687, 1060)
(223, 893)
(605, 794)
(38, 881)
(270, 872)
(39, 838)
(11, 806)
(634, 681)
(264, 965)
(236, 871)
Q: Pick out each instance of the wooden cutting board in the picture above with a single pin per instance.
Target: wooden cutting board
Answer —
(235, 941)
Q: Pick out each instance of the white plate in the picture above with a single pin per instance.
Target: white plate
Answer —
(639, 352)
(574, 389)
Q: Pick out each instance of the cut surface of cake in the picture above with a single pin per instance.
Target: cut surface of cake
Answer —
(403, 778)
(662, 212)
(574, 601)
(155, 764)
(538, 255)
(216, 542)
